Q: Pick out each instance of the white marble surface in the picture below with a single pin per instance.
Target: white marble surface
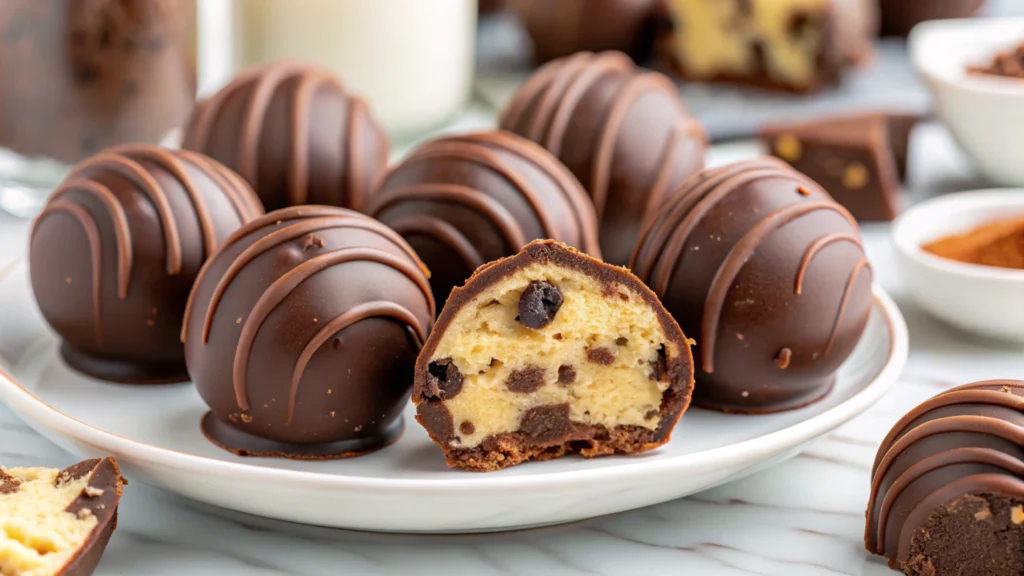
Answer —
(801, 518)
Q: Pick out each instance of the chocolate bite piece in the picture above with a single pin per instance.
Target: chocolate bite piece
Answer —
(1007, 63)
(57, 522)
(113, 255)
(768, 273)
(610, 373)
(788, 45)
(859, 159)
(900, 16)
(463, 201)
(947, 486)
(561, 28)
(302, 331)
(295, 134)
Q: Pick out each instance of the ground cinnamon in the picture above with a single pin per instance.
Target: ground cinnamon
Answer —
(999, 244)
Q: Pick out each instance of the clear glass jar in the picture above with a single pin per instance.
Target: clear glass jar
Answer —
(77, 76)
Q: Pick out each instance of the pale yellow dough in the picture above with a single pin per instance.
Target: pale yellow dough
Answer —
(487, 344)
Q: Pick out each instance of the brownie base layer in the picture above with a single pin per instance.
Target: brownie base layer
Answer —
(241, 443)
(123, 372)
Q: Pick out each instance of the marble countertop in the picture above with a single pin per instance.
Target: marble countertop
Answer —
(801, 518)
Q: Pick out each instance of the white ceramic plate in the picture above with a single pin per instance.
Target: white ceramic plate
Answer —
(154, 432)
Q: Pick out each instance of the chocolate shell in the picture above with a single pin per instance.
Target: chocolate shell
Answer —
(900, 16)
(302, 331)
(625, 133)
(947, 487)
(463, 201)
(115, 250)
(768, 273)
(295, 134)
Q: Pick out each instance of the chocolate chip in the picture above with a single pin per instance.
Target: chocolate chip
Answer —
(651, 414)
(86, 73)
(566, 374)
(783, 358)
(547, 424)
(444, 381)
(467, 428)
(525, 380)
(659, 366)
(621, 341)
(8, 484)
(538, 304)
(437, 420)
(799, 24)
(601, 356)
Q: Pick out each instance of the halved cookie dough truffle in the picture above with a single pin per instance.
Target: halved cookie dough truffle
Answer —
(548, 352)
(57, 522)
(947, 488)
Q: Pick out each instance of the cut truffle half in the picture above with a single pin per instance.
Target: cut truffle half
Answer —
(57, 522)
(551, 352)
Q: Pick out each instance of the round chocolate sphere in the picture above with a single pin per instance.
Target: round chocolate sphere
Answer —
(567, 26)
(463, 201)
(302, 332)
(624, 133)
(295, 134)
(767, 272)
(900, 16)
(115, 250)
(947, 484)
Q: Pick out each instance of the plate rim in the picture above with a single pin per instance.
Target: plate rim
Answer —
(30, 408)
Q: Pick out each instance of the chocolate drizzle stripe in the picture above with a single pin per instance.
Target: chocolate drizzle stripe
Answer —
(149, 186)
(666, 166)
(499, 216)
(298, 168)
(283, 215)
(252, 124)
(239, 194)
(443, 232)
(381, 309)
(628, 94)
(992, 483)
(966, 395)
(599, 66)
(279, 237)
(568, 185)
(122, 231)
(93, 233)
(353, 171)
(816, 247)
(535, 84)
(963, 455)
(488, 159)
(859, 267)
(739, 255)
(283, 287)
(206, 111)
(552, 91)
(989, 385)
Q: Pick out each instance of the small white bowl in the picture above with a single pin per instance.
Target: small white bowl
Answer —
(984, 112)
(982, 299)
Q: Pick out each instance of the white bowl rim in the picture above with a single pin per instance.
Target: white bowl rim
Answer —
(976, 199)
(980, 83)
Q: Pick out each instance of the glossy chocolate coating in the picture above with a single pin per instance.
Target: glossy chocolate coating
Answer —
(115, 250)
(625, 133)
(768, 273)
(968, 440)
(463, 201)
(900, 16)
(105, 485)
(295, 134)
(567, 26)
(302, 332)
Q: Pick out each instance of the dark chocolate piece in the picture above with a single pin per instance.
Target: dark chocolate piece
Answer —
(306, 350)
(1007, 63)
(114, 253)
(947, 494)
(539, 304)
(565, 27)
(625, 133)
(752, 258)
(554, 418)
(900, 16)
(859, 159)
(787, 45)
(295, 134)
(462, 201)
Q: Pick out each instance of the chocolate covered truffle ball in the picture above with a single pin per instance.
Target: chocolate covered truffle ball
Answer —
(551, 352)
(564, 27)
(295, 134)
(768, 274)
(115, 250)
(900, 16)
(463, 201)
(302, 331)
(625, 133)
(947, 487)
